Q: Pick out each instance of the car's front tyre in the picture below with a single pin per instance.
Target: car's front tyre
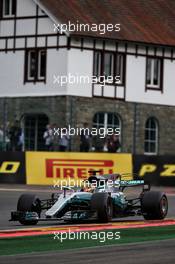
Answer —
(102, 204)
(29, 203)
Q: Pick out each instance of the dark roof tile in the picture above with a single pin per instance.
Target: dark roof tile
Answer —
(148, 21)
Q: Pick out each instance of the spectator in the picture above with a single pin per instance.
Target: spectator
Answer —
(64, 140)
(14, 135)
(21, 141)
(8, 145)
(55, 138)
(85, 139)
(98, 143)
(48, 136)
(113, 143)
(4, 142)
(1, 138)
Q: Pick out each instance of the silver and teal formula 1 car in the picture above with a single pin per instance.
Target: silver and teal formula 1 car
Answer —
(102, 198)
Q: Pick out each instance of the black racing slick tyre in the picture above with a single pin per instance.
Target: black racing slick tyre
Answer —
(154, 205)
(102, 204)
(29, 203)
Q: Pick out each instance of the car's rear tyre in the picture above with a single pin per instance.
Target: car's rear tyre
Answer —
(154, 205)
(29, 203)
(102, 204)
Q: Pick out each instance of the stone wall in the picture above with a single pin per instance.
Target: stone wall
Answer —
(77, 110)
(133, 117)
(53, 107)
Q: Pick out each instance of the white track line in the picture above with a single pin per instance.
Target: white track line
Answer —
(26, 190)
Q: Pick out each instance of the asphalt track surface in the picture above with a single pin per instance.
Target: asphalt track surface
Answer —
(154, 252)
(157, 252)
(9, 196)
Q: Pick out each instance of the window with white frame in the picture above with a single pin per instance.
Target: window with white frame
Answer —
(97, 64)
(154, 73)
(110, 64)
(35, 65)
(107, 120)
(151, 136)
(108, 69)
(120, 67)
(31, 65)
(42, 64)
(9, 8)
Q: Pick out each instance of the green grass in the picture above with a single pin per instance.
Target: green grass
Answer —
(12, 246)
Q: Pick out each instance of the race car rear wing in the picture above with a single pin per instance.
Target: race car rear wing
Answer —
(120, 180)
(134, 183)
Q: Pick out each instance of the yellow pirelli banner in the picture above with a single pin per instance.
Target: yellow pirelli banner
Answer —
(47, 167)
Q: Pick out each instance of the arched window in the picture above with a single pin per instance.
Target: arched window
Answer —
(151, 136)
(107, 120)
(33, 126)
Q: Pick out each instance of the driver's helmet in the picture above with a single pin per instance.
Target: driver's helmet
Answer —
(87, 187)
